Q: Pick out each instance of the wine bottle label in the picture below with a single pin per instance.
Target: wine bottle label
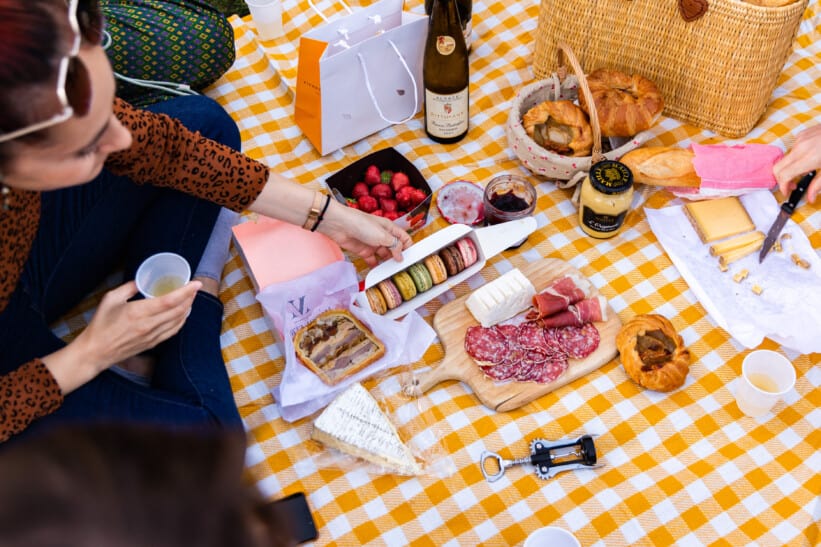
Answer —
(446, 116)
(445, 44)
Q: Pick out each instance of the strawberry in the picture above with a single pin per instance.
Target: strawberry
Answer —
(368, 204)
(378, 212)
(391, 215)
(352, 203)
(372, 175)
(359, 189)
(386, 176)
(387, 204)
(403, 197)
(382, 191)
(418, 196)
(399, 180)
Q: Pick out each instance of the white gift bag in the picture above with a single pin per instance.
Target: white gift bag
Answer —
(360, 74)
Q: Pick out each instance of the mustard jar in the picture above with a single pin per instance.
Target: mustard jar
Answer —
(605, 198)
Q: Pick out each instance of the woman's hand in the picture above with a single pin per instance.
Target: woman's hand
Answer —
(803, 157)
(371, 237)
(120, 329)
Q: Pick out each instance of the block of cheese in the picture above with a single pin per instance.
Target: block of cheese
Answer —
(354, 424)
(501, 299)
(733, 243)
(718, 218)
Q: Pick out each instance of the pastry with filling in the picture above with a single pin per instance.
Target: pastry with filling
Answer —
(626, 104)
(336, 345)
(652, 353)
(559, 126)
(354, 424)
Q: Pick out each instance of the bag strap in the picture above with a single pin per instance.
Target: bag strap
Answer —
(370, 89)
(564, 50)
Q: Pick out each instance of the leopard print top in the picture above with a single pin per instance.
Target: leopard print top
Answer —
(163, 153)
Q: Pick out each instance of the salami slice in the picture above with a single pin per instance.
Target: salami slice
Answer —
(531, 336)
(499, 373)
(547, 371)
(578, 342)
(485, 344)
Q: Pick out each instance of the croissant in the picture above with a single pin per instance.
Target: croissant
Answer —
(626, 104)
(560, 126)
(652, 353)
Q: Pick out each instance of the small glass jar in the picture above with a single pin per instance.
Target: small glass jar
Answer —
(605, 198)
(508, 197)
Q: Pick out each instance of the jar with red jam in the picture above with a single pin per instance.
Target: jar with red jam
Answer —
(509, 197)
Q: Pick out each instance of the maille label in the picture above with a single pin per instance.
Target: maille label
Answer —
(611, 177)
(445, 44)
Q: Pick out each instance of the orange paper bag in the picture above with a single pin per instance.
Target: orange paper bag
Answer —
(360, 74)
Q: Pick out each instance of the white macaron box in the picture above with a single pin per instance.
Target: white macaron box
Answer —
(489, 241)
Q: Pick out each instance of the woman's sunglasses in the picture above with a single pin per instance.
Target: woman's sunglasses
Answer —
(73, 83)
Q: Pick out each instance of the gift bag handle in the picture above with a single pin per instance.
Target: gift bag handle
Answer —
(564, 49)
(370, 89)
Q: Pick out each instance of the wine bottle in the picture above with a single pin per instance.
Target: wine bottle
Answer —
(445, 74)
(465, 8)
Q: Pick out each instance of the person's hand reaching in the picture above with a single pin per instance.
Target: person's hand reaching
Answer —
(803, 157)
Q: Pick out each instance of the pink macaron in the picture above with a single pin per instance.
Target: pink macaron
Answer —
(391, 294)
(467, 248)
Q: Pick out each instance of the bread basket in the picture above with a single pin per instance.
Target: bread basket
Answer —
(565, 171)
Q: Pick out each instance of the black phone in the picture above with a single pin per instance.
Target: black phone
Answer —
(295, 511)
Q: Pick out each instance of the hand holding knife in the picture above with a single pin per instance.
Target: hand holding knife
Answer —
(786, 212)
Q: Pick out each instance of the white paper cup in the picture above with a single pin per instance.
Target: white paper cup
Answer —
(267, 17)
(551, 536)
(765, 377)
(162, 273)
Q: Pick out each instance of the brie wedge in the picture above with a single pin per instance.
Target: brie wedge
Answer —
(354, 424)
(501, 299)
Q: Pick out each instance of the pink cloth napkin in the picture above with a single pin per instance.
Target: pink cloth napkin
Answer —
(736, 167)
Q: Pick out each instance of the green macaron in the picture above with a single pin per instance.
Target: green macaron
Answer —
(421, 277)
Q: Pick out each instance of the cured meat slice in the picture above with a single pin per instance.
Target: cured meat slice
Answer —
(577, 342)
(585, 311)
(547, 371)
(560, 294)
(510, 332)
(531, 336)
(499, 373)
(485, 344)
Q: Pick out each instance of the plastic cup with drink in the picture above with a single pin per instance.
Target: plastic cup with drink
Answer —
(766, 376)
(162, 273)
(267, 17)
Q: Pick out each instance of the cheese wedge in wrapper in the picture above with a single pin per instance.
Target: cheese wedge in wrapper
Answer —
(354, 424)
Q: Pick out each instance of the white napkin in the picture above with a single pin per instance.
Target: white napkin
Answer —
(293, 303)
(789, 309)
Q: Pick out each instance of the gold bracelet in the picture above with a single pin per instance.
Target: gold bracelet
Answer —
(313, 214)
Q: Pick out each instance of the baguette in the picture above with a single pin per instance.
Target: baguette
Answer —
(667, 166)
(336, 345)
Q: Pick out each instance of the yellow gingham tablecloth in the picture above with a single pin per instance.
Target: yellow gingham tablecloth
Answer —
(684, 468)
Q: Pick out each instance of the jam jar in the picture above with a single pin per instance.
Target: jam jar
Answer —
(605, 198)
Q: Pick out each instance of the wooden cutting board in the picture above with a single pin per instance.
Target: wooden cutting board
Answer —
(453, 319)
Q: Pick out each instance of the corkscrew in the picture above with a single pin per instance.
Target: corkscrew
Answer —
(548, 458)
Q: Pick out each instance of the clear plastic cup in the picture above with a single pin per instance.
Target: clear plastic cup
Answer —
(267, 17)
(551, 536)
(162, 273)
(766, 376)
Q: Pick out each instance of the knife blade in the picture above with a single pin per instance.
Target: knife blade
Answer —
(786, 212)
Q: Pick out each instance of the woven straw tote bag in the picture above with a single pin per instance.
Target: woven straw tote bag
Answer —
(565, 171)
(716, 62)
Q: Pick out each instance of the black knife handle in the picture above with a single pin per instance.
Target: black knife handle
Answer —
(796, 195)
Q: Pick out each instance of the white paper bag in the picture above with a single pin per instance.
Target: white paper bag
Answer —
(360, 74)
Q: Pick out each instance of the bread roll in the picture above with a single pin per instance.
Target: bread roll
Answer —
(626, 103)
(559, 126)
(662, 166)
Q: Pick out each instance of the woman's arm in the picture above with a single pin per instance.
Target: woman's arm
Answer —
(371, 237)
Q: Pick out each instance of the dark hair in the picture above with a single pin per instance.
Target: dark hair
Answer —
(34, 36)
(130, 486)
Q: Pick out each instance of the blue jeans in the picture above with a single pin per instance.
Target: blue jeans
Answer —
(110, 224)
